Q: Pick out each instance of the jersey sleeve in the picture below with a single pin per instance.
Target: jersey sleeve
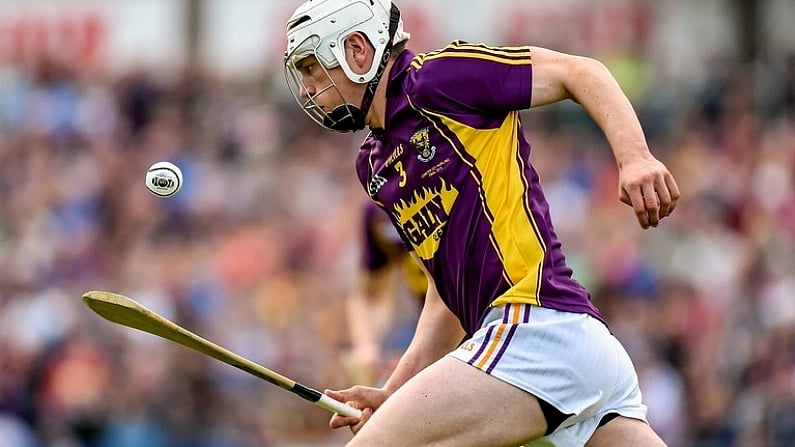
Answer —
(474, 79)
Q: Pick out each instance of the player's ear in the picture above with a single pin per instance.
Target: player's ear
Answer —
(358, 52)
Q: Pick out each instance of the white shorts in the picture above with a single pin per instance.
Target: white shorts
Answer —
(569, 360)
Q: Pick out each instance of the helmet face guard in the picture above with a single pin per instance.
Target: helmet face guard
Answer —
(343, 118)
(319, 28)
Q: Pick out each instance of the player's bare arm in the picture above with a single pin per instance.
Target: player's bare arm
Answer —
(644, 182)
(438, 332)
(366, 312)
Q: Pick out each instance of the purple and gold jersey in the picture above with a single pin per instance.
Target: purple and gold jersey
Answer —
(452, 171)
(383, 246)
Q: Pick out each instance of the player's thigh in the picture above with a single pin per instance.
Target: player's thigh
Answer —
(451, 404)
(625, 432)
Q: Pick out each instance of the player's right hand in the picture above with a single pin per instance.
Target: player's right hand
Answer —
(648, 187)
(365, 398)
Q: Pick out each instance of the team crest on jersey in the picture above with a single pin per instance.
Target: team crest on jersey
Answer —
(422, 142)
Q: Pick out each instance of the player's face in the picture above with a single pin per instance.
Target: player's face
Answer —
(326, 94)
(314, 78)
(326, 88)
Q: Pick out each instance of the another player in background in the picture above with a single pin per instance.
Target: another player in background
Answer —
(386, 271)
(448, 161)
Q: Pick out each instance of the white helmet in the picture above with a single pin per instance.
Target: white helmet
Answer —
(319, 28)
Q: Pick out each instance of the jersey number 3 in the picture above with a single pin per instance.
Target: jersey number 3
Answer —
(401, 173)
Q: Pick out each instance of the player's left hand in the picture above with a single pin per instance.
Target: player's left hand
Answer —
(364, 398)
(649, 188)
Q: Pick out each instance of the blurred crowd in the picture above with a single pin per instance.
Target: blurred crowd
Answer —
(259, 249)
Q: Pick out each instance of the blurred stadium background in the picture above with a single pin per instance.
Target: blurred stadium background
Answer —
(260, 247)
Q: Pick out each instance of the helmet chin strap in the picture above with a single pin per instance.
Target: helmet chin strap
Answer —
(348, 117)
(345, 118)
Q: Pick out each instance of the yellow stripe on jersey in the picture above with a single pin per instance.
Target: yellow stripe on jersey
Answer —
(504, 185)
(475, 178)
(502, 55)
(522, 52)
(418, 60)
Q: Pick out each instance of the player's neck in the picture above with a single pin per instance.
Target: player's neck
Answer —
(376, 117)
